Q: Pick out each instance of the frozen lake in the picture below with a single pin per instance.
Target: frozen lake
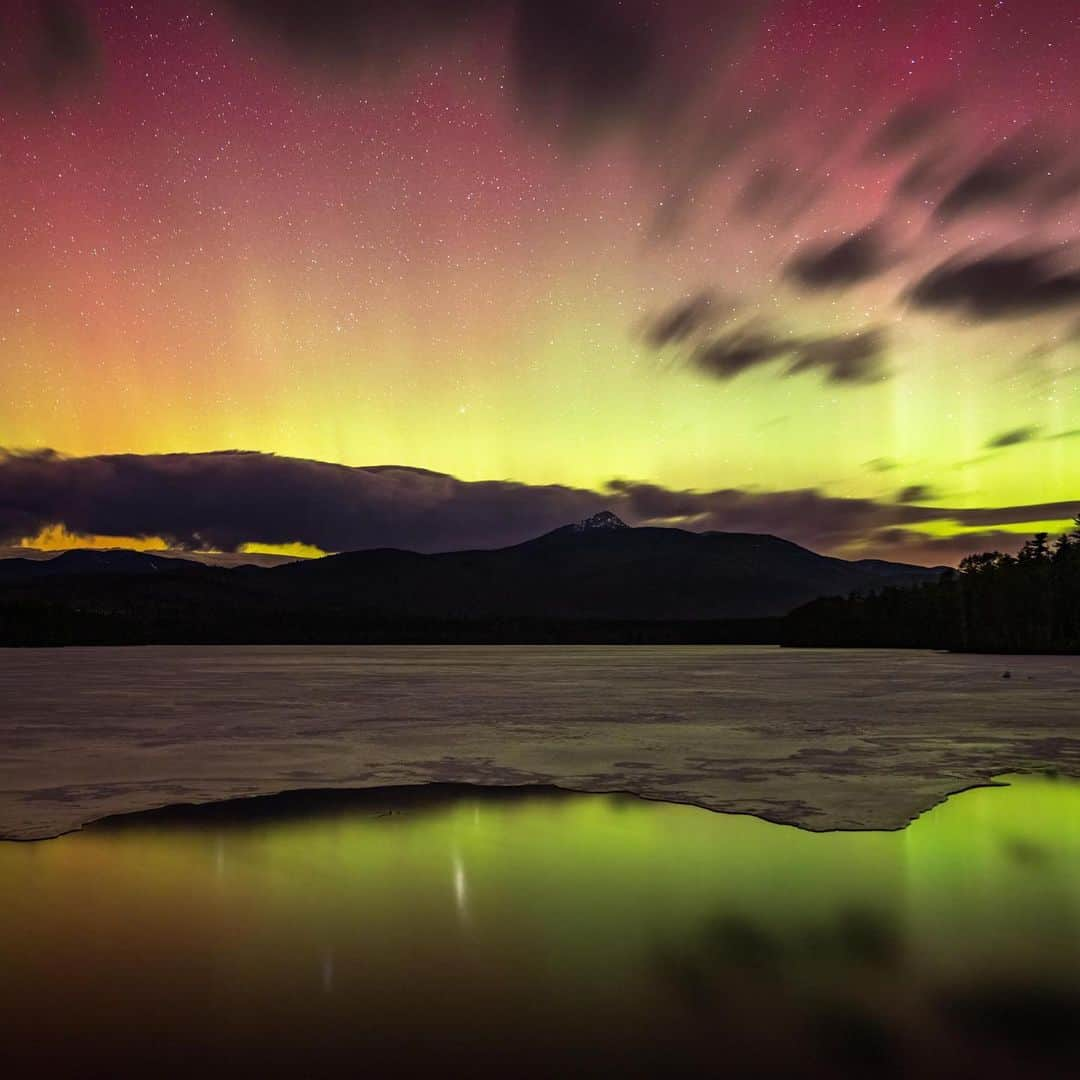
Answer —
(821, 739)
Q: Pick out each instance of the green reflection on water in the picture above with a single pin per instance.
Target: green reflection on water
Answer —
(461, 929)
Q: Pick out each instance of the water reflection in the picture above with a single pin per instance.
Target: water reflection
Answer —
(461, 890)
(463, 930)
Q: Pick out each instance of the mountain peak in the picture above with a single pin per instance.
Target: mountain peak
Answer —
(603, 520)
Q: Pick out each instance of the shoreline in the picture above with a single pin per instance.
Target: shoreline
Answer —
(296, 802)
(816, 739)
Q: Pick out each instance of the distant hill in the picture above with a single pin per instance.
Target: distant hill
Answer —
(598, 572)
(82, 560)
(593, 570)
(90, 561)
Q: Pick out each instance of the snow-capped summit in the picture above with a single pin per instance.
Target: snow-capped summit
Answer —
(604, 520)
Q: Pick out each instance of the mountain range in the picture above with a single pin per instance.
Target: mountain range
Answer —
(599, 571)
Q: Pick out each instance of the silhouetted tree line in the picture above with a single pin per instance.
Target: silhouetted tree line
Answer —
(29, 620)
(1028, 602)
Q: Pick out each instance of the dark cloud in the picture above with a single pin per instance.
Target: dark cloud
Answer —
(925, 176)
(1002, 176)
(1028, 171)
(50, 46)
(585, 64)
(779, 191)
(739, 350)
(881, 465)
(857, 258)
(843, 358)
(580, 65)
(765, 185)
(348, 35)
(583, 68)
(69, 48)
(223, 500)
(913, 545)
(724, 135)
(998, 286)
(1031, 433)
(809, 516)
(916, 493)
(1013, 437)
(1063, 185)
(1012, 515)
(908, 124)
(686, 319)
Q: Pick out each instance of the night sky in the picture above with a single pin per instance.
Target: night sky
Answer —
(808, 268)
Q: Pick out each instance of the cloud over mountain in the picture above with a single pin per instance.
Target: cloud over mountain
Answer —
(226, 499)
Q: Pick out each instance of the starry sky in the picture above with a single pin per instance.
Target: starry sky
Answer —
(311, 276)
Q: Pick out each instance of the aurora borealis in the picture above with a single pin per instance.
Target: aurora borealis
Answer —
(805, 268)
